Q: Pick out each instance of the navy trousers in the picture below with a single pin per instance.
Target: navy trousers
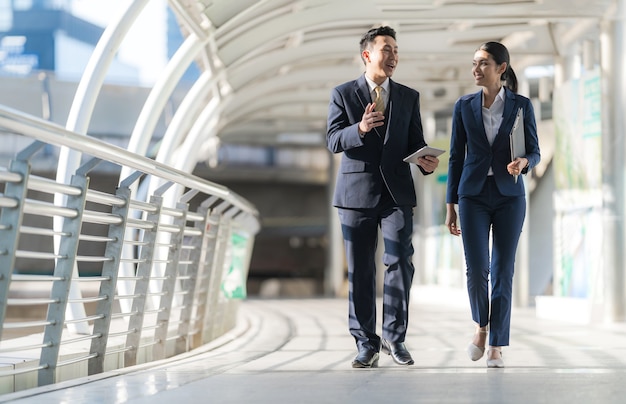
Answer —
(503, 217)
(360, 233)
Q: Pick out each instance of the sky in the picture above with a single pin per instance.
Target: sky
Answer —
(145, 45)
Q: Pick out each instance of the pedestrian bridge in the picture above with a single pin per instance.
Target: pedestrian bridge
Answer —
(194, 240)
(124, 258)
(298, 351)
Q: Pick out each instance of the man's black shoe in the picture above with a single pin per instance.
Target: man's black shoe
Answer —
(398, 352)
(366, 358)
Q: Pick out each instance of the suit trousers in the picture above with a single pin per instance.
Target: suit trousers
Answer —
(360, 233)
(503, 217)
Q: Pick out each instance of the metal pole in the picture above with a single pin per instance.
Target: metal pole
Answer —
(334, 278)
(160, 94)
(78, 121)
(184, 118)
(613, 154)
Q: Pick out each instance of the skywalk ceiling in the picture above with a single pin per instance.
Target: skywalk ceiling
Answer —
(278, 59)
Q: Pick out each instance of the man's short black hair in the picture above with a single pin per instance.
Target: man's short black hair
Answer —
(373, 33)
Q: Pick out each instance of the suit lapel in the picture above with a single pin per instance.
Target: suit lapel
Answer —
(508, 118)
(508, 114)
(362, 92)
(395, 98)
(477, 109)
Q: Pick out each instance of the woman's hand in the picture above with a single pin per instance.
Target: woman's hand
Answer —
(516, 166)
(453, 228)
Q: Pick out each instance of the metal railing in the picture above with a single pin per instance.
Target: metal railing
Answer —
(171, 265)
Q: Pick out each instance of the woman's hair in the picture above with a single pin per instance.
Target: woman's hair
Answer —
(500, 54)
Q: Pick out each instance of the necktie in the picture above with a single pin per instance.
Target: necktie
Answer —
(380, 104)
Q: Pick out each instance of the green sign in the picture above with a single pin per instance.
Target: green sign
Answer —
(234, 282)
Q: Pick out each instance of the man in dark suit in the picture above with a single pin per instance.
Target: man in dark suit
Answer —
(376, 122)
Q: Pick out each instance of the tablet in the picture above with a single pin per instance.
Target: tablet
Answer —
(424, 151)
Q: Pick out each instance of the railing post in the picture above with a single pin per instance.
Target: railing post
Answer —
(11, 221)
(68, 247)
(169, 284)
(217, 271)
(203, 283)
(110, 272)
(183, 342)
(144, 270)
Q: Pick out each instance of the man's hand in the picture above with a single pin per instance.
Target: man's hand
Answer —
(371, 119)
(428, 163)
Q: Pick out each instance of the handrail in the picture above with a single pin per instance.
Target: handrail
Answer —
(50, 132)
(182, 256)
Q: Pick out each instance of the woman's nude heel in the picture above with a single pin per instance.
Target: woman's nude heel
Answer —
(476, 352)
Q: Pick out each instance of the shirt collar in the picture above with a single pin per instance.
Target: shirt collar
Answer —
(499, 97)
(372, 85)
(501, 93)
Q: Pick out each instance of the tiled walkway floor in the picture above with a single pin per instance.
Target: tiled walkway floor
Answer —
(299, 351)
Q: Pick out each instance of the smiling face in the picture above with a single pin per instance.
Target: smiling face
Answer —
(487, 73)
(381, 58)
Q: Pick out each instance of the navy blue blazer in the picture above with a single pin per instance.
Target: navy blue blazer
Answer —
(470, 152)
(374, 161)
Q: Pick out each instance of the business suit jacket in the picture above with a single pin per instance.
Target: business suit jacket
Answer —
(374, 161)
(471, 155)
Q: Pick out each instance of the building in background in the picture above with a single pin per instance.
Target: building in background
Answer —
(59, 36)
(45, 46)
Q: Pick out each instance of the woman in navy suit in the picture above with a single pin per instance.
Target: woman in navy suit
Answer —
(482, 180)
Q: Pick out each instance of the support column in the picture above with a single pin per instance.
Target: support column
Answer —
(613, 165)
(522, 273)
(334, 278)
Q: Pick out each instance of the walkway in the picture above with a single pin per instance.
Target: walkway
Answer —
(299, 351)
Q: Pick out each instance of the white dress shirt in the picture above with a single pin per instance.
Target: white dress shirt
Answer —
(492, 118)
(384, 94)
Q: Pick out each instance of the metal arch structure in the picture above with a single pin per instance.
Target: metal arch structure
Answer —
(276, 62)
(268, 65)
(279, 59)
